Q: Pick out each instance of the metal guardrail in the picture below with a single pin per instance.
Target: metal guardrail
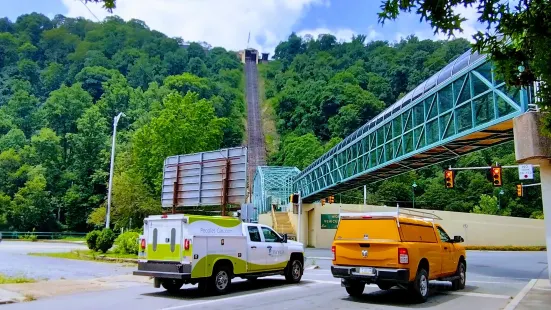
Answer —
(40, 235)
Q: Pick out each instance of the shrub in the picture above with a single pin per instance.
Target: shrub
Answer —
(127, 243)
(92, 239)
(105, 240)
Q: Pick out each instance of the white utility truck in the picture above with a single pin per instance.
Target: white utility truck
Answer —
(178, 249)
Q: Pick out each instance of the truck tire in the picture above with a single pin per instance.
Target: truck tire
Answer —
(459, 284)
(220, 280)
(420, 286)
(355, 289)
(293, 272)
(172, 285)
(385, 286)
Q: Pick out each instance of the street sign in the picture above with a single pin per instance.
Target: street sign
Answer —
(525, 172)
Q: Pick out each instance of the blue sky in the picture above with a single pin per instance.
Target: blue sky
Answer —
(227, 22)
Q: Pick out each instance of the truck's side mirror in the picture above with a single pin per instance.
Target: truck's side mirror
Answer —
(284, 238)
(458, 239)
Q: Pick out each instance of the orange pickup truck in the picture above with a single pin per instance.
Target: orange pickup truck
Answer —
(404, 248)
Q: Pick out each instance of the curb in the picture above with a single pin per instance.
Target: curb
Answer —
(124, 260)
(514, 303)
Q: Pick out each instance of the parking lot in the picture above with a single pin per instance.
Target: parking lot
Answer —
(493, 280)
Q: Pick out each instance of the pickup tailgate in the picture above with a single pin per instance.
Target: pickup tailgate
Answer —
(367, 242)
(373, 253)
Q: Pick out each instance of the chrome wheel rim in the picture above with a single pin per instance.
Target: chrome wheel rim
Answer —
(296, 270)
(222, 280)
(462, 274)
(423, 285)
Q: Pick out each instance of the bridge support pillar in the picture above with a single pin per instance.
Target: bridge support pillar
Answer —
(531, 147)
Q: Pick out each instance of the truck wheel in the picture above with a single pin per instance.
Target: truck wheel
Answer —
(293, 274)
(420, 286)
(220, 280)
(385, 286)
(172, 285)
(356, 289)
(459, 284)
(203, 286)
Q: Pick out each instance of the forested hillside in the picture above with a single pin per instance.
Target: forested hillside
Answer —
(322, 90)
(63, 80)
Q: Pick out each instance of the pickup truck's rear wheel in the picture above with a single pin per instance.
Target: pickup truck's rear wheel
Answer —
(293, 272)
(172, 285)
(420, 286)
(459, 284)
(220, 280)
(355, 289)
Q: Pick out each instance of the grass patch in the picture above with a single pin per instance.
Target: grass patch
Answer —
(505, 248)
(89, 256)
(69, 238)
(14, 280)
(29, 297)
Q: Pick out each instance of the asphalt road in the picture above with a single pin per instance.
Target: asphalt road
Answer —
(493, 279)
(14, 261)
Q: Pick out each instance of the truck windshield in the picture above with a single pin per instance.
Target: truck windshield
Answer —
(372, 229)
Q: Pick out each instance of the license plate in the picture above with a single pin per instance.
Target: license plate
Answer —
(368, 271)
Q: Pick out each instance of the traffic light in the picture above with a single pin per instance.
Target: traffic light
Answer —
(293, 198)
(496, 176)
(331, 199)
(520, 191)
(449, 177)
(323, 201)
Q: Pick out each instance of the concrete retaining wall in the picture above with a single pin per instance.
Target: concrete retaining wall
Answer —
(476, 229)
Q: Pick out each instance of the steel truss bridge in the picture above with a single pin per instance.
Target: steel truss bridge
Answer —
(462, 108)
(272, 185)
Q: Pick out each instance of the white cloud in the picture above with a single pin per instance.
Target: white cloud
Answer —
(342, 34)
(218, 22)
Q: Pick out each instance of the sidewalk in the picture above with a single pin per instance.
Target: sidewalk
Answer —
(536, 295)
(8, 297)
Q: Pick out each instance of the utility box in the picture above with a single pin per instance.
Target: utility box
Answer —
(531, 146)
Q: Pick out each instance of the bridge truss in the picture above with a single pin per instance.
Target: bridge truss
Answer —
(462, 108)
(272, 185)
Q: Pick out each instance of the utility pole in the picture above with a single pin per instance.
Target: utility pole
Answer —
(115, 122)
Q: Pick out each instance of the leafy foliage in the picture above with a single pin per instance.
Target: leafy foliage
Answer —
(62, 81)
(92, 239)
(126, 243)
(105, 240)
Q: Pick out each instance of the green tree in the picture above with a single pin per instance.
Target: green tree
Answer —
(197, 128)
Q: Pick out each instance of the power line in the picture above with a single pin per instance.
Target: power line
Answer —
(82, 1)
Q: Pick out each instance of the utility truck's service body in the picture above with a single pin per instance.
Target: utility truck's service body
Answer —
(178, 249)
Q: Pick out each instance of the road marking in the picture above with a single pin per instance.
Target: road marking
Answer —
(472, 294)
(268, 291)
(493, 282)
(514, 303)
